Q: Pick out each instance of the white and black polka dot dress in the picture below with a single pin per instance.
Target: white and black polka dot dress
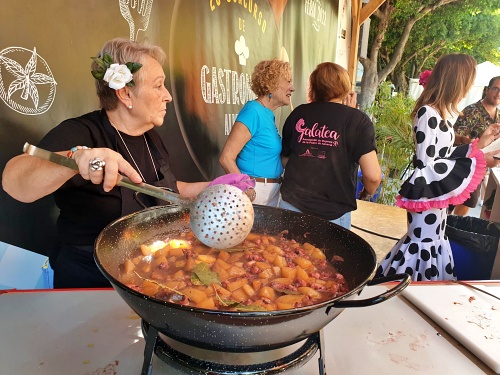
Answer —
(443, 175)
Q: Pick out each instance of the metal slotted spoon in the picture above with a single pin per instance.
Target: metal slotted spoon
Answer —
(221, 216)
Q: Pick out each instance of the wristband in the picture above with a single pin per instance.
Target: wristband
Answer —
(364, 196)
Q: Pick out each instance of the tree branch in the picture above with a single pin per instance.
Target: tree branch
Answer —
(399, 49)
(438, 48)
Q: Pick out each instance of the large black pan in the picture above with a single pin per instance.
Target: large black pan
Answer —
(241, 331)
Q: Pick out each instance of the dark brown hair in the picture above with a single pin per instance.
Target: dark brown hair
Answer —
(329, 81)
(492, 81)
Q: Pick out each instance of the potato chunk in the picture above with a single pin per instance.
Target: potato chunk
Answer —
(290, 299)
(129, 266)
(194, 294)
(267, 292)
(207, 303)
(302, 262)
(237, 284)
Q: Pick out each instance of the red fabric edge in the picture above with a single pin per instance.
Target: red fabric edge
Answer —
(5, 291)
(479, 172)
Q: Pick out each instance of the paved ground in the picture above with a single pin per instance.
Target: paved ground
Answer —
(381, 225)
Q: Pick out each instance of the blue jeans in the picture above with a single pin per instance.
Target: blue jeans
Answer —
(343, 221)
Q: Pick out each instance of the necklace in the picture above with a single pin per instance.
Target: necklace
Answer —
(260, 101)
(131, 157)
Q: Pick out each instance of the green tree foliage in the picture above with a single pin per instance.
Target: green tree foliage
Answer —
(472, 27)
(394, 137)
(408, 36)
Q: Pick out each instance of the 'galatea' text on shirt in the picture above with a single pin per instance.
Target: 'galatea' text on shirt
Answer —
(315, 131)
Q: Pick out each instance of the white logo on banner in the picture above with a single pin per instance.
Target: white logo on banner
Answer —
(241, 49)
(23, 88)
(314, 9)
(137, 13)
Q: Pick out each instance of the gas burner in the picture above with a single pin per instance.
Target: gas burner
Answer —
(209, 361)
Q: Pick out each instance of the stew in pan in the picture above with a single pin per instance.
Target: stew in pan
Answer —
(264, 273)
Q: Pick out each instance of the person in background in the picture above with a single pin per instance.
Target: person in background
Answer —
(473, 121)
(324, 142)
(118, 139)
(253, 146)
(443, 174)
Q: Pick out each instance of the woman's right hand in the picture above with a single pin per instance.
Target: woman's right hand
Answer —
(110, 173)
(491, 162)
(351, 100)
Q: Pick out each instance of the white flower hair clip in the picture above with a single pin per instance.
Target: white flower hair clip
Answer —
(115, 75)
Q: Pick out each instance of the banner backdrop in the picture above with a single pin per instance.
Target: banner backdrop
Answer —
(211, 45)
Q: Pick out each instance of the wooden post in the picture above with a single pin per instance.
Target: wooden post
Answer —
(353, 56)
(359, 15)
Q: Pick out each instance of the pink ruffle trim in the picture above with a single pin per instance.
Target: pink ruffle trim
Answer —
(417, 206)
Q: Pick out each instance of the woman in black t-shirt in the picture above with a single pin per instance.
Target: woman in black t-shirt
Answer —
(118, 139)
(324, 141)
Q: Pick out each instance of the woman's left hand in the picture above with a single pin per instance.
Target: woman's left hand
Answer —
(489, 135)
(241, 181)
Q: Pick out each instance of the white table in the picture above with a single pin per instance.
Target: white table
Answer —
(95, 332)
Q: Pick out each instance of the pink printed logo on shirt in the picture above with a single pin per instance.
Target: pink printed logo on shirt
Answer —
(316, 135)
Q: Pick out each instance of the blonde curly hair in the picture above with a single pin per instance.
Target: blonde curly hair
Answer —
(267, 75)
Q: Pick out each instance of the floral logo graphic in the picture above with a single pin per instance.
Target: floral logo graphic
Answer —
(241, 49)
(23, 88)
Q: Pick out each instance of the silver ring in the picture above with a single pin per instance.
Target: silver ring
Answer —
(96, 164)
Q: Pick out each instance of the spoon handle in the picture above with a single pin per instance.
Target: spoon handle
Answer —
(124, 181)
(154, 191)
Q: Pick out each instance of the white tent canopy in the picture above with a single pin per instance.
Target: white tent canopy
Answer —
(484, 72)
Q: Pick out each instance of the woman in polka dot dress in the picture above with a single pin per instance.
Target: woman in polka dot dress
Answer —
(443, 174)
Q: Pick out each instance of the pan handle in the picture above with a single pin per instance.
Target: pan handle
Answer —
(405, 281)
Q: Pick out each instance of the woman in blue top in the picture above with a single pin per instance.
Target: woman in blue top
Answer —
(254, 144)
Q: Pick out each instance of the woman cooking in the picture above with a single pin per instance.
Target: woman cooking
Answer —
(254, 144)
(118, 139)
